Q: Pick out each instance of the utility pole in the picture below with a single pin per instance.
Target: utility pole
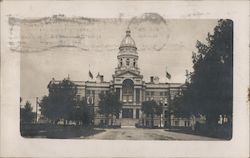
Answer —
(169, 107)
(36, 109)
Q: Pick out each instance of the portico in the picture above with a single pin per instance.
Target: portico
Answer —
(127, 79)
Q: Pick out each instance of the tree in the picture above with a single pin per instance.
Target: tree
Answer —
(181, 105)
(60, 102)
(109, 105)
(159, 111)
(210, 90)
(82, 113)
(151, 108)
(26, 114)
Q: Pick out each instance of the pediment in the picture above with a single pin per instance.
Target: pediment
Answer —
(128, 74)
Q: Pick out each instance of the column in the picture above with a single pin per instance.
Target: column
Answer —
(134, 113)
(134, 101)
(140, 114)
(140, 96)
(120, 114)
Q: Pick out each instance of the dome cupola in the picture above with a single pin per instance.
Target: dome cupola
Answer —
(127, 41)
(127, 56)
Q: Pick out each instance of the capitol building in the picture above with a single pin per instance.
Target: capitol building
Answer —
(128, 82)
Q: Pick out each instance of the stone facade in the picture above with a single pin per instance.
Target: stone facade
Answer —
(129, 84)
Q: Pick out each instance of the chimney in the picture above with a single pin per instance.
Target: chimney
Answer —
(156, 80)
(152, 79)
(102, 78)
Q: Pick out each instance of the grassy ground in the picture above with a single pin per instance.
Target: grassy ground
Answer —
(222, 134)
(57, 131)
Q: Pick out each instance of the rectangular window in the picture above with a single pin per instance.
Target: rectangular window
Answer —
(130, 98)
(186, 123)
(161, 93)
(124, 98)
(117, 91)
(137, 113)
(176, 123)
(147, 93)
(165, 113)
(83, 97)
(152, 93)
(166, 101)
(78, 97)
(91, 100)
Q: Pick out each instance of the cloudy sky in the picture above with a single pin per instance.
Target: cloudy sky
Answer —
(59, 46)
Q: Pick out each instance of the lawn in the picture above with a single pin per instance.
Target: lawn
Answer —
(57, 131)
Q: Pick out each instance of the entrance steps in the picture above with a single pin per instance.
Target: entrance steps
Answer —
(128, 122)
(127, 126)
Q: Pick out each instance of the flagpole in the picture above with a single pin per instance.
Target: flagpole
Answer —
(168, 75)
(166, 70)
(89, 71)
(36, 109)
(90, 74)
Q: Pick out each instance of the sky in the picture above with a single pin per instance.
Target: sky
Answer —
(58, 46)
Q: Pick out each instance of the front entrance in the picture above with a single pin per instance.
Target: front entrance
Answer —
(129, 117)
(128, 122)
(127, 113)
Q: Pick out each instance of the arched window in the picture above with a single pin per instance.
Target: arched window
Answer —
(120, 62)
(127, 62)
(134, 63)
(127, 90)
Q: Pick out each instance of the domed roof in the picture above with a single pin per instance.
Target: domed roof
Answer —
(128, 40)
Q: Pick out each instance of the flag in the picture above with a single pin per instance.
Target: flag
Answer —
(168, 75)
(90, 75)
(98, 75)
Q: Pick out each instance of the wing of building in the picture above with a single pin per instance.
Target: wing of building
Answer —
(129, 83)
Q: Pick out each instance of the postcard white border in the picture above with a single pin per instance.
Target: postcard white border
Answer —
(13, 145)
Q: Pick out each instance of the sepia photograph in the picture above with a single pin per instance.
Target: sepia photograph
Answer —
(143, 78)
(124, 79)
